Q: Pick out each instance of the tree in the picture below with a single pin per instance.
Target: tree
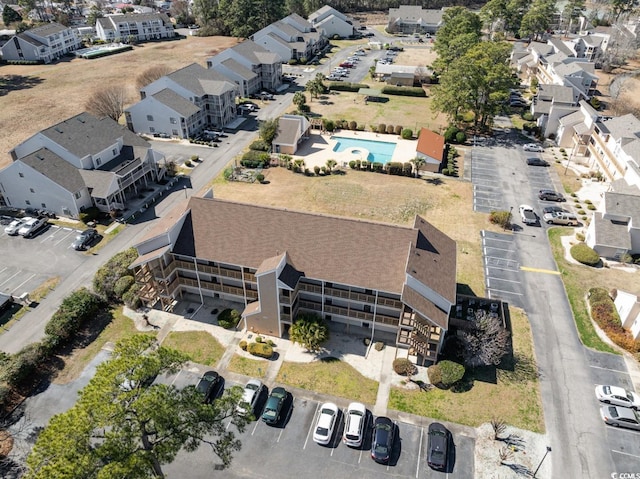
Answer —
(9, 15)
(461, 30)
(417, 163)
(310, 331)
(107, 276)
(94, 14)
(269, 130)
(621, 8)
(331, 164)
(487, 343)
(299, 100)
(151, 74)
(316, 87)
(124, 427)
(537, 20)
(107, 102)
(572, 11)
(180, 11)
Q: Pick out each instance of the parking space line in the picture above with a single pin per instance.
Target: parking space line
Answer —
(505, 292)
(63, 238)
(609, 369)
(280, 435)
(313, 420)
(495, 247)
(625, 453)
(25, 281)
(255, 427)
(419, 451)
(502, 279)
(10, 278)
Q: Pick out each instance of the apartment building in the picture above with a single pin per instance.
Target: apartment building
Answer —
(277, 262)
(44, 43)
(139, 27)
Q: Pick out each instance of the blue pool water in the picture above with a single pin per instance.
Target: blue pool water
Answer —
(379, 151)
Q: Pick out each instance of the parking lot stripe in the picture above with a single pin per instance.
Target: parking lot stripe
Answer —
(502, 291)
(609, 369)
(313, 420)
(63, 238)
(10, 277)
(419, 451)
(255, 427)
(25, 281)
(539, 270)
(498, 278)
(625, 453)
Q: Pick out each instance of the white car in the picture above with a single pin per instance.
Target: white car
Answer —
(13, 227)
(29, 228)
(618, 396)
(533, 147)
(326, 423)
(355, 421)
(250, 397)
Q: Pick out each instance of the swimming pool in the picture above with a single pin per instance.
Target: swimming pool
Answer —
(375, 151)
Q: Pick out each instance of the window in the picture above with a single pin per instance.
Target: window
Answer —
(114, 152)
(28, 202)
(174, 132)
(172, 120)
(77, 195)
(43, 205)
(152, 129)
(149, 117)
(32, 190)
(21, 175)
(98, 161)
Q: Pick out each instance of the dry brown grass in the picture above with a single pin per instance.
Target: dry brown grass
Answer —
(39, 96)
(445, 202)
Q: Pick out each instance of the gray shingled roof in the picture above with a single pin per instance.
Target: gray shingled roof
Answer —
(632, 148)
(33, 41)
(287, 131)
(178, 104)
(99, 182)
(47, 29)
(359, 253)
(55, 168)
(237, 68)
(609, 233)
(138, 17)
(255, 53)
(560, 46)
(559, 93)
(627, 126)
(84, 134)
(620, 204)
(202, 81)
(621, 186)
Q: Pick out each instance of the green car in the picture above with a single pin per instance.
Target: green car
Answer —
(273, 408)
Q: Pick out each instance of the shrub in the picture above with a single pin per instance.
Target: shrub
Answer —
(390, 129)
(346, 86)
(589, 202)
(188, 163)
(259, 145)
(352, 164)
(293, 61)
(353, 125)
(435, 374)
(259, 339)
(450, 134)
(461, 137)
(394, 168)
(446, 172)
(89, 214)
(377, 167)
(451, 372)
(591, 207)
(131, 297)
(24, 364)
(379, 346)
(259, 177)
(626, 259)
(243, 345)
(229, 318)
(403, 91)
(329, 125)
(584, 254)
(115, 268)
(404, 366)
(500, 218)
(398, 130)
(406, 134)
(122, 286)
(316, 170)
(262, 350)
(382, 128)
(580, 236)
(366, 341)
(527, 116)
(407, 169)
(76, 309)
(194, 157)
(271, 343)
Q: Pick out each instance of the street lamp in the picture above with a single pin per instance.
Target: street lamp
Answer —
(543, 458)
(185, 191)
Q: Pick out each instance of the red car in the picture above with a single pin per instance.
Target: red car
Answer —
(346, 65)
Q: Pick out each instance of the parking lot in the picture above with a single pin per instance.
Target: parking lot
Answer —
(27, 263)
(502, 267)
(288, 450)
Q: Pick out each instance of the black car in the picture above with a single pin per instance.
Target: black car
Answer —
(210, 386)
(382, 440)
(84, 239)
(438, 446)
(536, 162)
(550, 195)
(553, 209)
(273, 407)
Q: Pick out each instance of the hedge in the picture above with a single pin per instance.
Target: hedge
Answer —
(604, 313)
(262, 350)
(584, 254)
(24, 364)
(451, 372)
(406, 134)
(259, 145)
(346, 86)
(123, 285)
(435, 374)
(404, 366)
(76, 309)
(403, 91)
(229, 318)
(108, 274)
(243, 345)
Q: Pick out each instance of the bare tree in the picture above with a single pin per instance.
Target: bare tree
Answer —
(499, 427)
(151, 74)
(486, 343)
(107, 101)
(622, 46)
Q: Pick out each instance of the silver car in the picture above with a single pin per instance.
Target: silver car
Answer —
(13, 227)
(250, 397)
(533, 147)
(617, 396)
(620, 417)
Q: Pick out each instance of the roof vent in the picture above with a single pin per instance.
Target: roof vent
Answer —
(414, 271)
(58, 129)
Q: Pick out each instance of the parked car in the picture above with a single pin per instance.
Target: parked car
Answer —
(32, 226)
(12, 228)
(618, 396)
(210, 386)
(250, 397)
(620, 417)
(527, 215)
(550, 195)
(533, 147)
(536, 162)
(568, 219)
(346, 65)
(355, 422)
(265, 95)
(360, 53)
(84, 239)
(273, 407)
(553, 209)
(382, 439)
(518, 103)
(438, 446)
(326, 423)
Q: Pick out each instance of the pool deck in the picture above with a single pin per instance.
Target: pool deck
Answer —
(319, 148)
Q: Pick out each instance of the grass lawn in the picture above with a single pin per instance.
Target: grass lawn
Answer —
(17, 312)
(375, 197)
(330, 376)
(119, 327)
(511, 395)
(578, 279)
(200, 346)
(249, 367)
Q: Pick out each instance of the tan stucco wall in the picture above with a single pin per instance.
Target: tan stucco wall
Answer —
(266, 321)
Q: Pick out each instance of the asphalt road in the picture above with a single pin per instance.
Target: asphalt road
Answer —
(582, 445)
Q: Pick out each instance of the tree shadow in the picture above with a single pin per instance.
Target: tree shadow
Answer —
(435, 181)
(9, 83)
(519, 469)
